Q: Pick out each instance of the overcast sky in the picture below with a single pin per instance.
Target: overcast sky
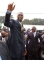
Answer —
(30, 8)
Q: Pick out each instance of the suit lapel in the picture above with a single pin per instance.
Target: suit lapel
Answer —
(36, 34)
(18, 22)
(32, 34)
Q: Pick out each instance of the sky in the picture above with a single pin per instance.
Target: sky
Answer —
(30, 8)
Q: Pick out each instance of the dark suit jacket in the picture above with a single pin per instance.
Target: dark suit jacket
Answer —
(33, 43)
(4, 52)
(0, 37)
(16, 43)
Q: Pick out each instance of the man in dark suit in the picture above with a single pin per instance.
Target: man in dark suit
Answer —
(16, 41)
(34, 39)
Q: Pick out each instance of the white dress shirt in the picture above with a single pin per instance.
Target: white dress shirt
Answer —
(8, 11)
(34, 34)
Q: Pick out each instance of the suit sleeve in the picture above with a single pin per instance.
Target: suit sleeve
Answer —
(8, 22)
(40, 38)
(28, 37)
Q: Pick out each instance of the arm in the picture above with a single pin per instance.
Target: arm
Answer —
(8, 22)
(7, 19)
(40, 37)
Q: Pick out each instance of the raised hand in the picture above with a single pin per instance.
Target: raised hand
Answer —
(11, 7)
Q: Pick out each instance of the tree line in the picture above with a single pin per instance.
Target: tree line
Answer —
(35, 21)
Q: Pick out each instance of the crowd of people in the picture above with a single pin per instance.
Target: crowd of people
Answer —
(20, 44)
(32, 40)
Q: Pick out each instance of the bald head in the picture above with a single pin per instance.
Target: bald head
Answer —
(20, 13)
(20, 16)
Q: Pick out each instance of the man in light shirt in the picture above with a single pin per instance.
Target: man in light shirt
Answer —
(33, 44)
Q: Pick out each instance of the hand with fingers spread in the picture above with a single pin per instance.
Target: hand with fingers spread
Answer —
(11, 7)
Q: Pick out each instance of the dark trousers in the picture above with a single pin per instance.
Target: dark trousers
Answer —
(26, 57)
(33, 57)
(21, 58)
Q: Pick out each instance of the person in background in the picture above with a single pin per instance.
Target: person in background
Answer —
(28, 31)
(42, 35)
(4, 52)
(4, 35)
(33, 44)
(0, 35)
(16, 43)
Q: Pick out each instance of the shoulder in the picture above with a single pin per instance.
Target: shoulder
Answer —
(12, 20)
(37, 32)
(29, 33)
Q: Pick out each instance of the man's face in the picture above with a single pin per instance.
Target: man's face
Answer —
(33, 29)
(20, 17)
(28, 30)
